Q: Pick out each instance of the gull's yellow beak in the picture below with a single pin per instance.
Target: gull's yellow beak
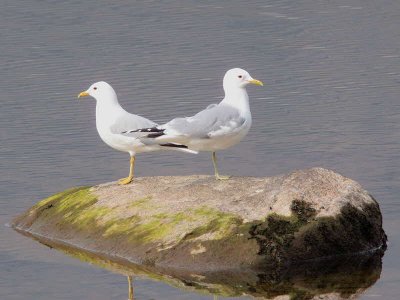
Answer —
(256, 82)
(83, 94)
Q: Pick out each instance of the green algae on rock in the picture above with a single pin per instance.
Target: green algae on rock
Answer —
(200, 224)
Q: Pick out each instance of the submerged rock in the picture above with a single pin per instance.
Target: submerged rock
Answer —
(199, 224)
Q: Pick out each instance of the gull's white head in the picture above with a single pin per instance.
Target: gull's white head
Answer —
(101, 91)
(239, 78)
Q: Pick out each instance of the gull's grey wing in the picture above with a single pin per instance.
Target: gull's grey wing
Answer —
(127, 122)
(211, 122)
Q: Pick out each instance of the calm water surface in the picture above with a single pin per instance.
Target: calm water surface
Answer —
(331, 98)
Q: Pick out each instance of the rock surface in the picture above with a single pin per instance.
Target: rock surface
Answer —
(200, 224)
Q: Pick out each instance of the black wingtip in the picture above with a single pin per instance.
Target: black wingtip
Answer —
(153, 131)
(155, 135)
(172, 145)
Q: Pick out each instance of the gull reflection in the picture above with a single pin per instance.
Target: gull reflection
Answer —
(130, 288)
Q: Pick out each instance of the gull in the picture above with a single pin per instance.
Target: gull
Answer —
(215, 128)
(112, 119)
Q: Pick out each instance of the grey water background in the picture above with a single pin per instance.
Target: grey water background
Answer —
(331, 98)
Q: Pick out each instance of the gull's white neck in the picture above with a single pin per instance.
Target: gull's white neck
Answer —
(107, 98)
(107, 108)
(237, 97)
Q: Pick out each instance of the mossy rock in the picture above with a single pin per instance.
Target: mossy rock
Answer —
(200, 224)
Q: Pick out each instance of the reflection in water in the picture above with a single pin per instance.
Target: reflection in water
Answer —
(338, 278)
(130, 288)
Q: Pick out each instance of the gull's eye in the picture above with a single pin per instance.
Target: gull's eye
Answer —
(95, 88)
(240, 76)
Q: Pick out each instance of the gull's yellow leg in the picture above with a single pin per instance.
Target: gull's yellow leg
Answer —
(217, 176)
(130, 288)
(128, 179)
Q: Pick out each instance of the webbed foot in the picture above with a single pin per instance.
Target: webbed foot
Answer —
(125, 180)
(222, 177)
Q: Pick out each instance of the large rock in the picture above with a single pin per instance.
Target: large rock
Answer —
(199, 224)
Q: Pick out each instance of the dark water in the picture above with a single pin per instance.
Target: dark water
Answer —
(331, 98)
